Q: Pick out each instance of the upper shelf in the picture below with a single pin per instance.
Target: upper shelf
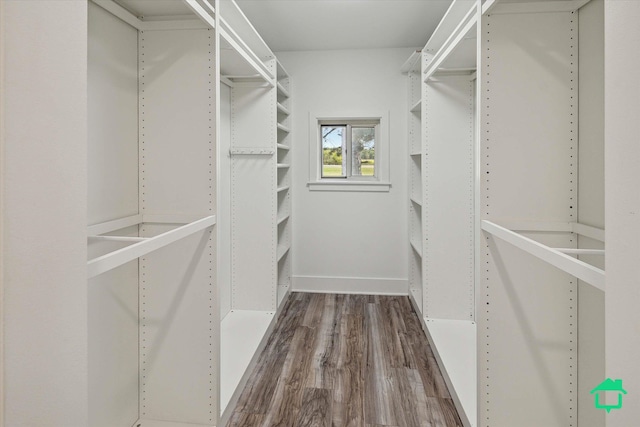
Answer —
(459, 51)
(531, 6)
(459, 12)
(157, 15)
(243, 53)
(233, 17)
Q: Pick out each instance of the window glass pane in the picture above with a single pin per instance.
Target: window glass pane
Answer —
(334, 141)
(363, 151)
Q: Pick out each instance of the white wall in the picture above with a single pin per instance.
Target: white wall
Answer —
(341, 238)
(44, 184)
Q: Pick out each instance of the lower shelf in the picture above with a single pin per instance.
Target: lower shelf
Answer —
(241, 332)
(156, 423)
(454, 345)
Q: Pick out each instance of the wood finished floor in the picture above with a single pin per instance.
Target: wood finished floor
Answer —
(346, 361)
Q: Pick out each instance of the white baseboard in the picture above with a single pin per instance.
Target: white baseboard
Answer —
(350, 285)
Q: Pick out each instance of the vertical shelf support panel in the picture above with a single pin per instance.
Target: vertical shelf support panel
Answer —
(284, 181)
(253, 205)
(178, 300)
(448, 172)
(527, 310)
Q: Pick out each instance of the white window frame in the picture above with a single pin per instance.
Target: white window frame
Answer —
(379, 182)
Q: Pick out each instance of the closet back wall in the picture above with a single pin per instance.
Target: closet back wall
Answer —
(349, 241)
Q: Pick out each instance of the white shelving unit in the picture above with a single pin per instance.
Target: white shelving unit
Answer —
(283, 192)
(258, 199)
(153, 318)
(412, 68)
(539, 177)
(500, 208)
(510, 207)
(442, 131)
(182, 345)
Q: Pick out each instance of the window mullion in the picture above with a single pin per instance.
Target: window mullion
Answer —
(349, 160)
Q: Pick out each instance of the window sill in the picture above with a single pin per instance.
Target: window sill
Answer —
(361, 186)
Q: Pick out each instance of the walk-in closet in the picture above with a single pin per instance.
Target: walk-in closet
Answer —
(257, 213)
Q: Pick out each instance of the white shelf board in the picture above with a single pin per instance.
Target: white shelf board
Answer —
(464, 57)
(458, 51)
(283, 219)
(283, 165)
(283, 147)
(145, 15)
(417, 107)
(233, 17)
(454, 345)
(416, 248)
(283, 128)
(532, 6)
(416, 201)
(155, 423)
(283, 188)
(413, 63)
(282, 251)
(114, 225)
(283, 109)
(241, 332)
(153, 9)
(284, 92)
(235, 64)
(415, 154)
(281, 73)
(456, 13)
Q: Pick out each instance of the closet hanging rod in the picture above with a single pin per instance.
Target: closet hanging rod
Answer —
(119, 238)
(583, 271)
(122, 256)
(252, 151)
(571, 251)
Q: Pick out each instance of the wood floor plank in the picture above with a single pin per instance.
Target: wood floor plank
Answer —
(316, 408)
(322, 372)
(243, 419)
(348, 392)
(450, 414)
(378, 387)
(259, 389)
(346, 361)
(286, 399)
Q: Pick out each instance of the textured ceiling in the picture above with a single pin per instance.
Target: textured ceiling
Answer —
(292, 25)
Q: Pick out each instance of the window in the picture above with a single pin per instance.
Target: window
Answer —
(349, 153)
(348, 150)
